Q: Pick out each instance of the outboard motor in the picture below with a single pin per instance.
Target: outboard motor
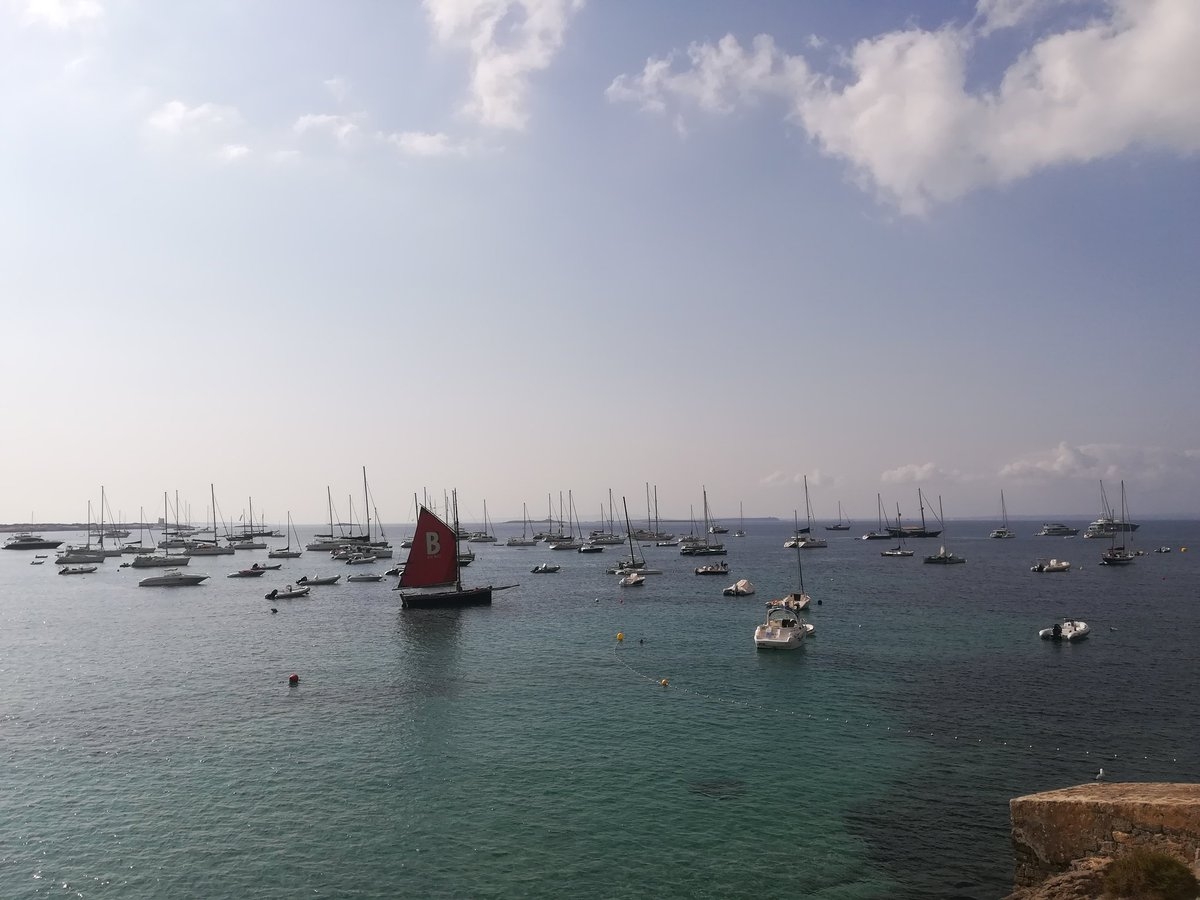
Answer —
(1057, 631)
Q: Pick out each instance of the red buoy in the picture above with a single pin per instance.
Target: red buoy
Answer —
(293, 678)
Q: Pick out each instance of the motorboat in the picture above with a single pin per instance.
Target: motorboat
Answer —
(1069, 630)
(1163, 549)
(1052, 565)
(364, 576)
(76, 570)
(896, 551)
(721, 568)
(591, 548)
(288, 593)
(27, 541)
(361, 559)
(323, 579)
(740, 588)
(632, 579)
(545, 569)
(1056, 529)
(782, 629)
(172, 578)
(247, 573)
(625, 566)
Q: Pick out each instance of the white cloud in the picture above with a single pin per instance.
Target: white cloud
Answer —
(421, 143)
(62, 13)
(994, 15)
(343, 129)
(338, 87)
(1150, 465)
(816, 478)
(177, 119)
(915, 473)
(233, 152)
(509, 40)
(909, 128)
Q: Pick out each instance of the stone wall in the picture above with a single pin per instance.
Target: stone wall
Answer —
(1052, 829)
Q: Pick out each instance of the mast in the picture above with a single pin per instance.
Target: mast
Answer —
(457, 567)
(329, 499)
(921, 501)
(367, 504)
(629, 535)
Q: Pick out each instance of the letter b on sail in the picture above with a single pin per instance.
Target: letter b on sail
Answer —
(433, 544)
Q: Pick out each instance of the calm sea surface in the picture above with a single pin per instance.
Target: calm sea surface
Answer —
(152, 747)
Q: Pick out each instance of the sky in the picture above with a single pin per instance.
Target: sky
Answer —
(518, 247)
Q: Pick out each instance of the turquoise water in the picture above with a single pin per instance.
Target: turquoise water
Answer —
(152, 746)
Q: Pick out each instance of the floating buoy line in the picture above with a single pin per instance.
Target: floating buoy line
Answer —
(1189, 757)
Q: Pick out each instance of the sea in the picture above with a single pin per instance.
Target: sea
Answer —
(578, 739)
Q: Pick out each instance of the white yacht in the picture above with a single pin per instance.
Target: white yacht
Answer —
(782, 629)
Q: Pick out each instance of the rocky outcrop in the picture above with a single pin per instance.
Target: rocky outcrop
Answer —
(1062, 840)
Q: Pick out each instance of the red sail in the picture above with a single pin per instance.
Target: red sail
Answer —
(433, 559)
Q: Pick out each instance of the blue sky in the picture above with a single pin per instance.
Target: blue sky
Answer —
(524, 246)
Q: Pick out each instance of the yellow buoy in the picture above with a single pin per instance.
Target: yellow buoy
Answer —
(664, 682)
(620, 635)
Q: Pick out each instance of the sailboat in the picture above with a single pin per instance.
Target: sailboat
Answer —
(841, 524)
(707, 548)
(287, 552)
(524, 540)
(325, 541)
(103, 532)
(915, 530)
(77, 555)
(627, 567)
(810, 541)
(166, 560)
(900, 550)
(432, 563)
(567, 541)
(207, 548)
(941, 558)
(1119, 554)
(1003, 531)
(741, 531)
(882, 532)
(487, 535)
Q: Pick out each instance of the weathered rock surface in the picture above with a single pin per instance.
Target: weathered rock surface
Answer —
(1063, 840)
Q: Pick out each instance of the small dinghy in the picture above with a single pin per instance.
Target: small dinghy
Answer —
(364, 577)
(288, 593)
(324, 579)
(76, 570)
(545, 569)
(247, 573)
(1070, 630)
(1053, 565)
(740, 588)
(632, 579)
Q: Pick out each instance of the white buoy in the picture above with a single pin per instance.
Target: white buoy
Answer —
(1100, 774)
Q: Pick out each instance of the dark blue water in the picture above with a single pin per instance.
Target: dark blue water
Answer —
(152, 746)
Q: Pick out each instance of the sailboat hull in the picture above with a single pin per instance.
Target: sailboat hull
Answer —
(481, 596)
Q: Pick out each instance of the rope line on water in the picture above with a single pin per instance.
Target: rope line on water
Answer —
(888, 731)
